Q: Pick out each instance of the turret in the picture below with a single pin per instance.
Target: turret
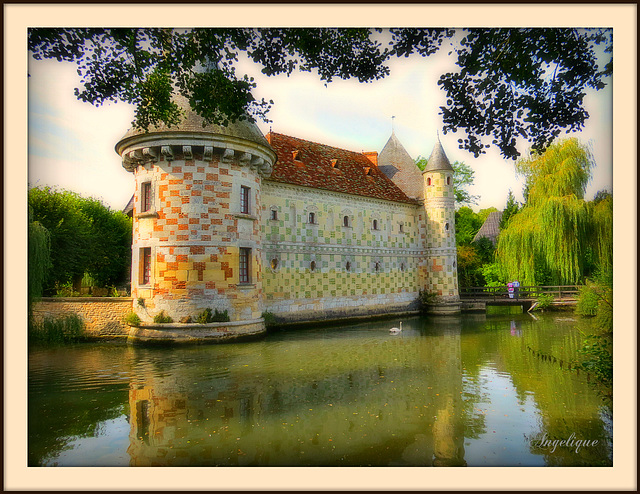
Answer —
(196, 237)
(441, 254)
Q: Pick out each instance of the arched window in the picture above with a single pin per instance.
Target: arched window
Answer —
(448, 180)
(446, 226)
(428, 180)
(345, 221)
(312, 266)
(348, 266)
(377, 267)
(402, 267)
(375, 224)
(312, 218)
(274, 263)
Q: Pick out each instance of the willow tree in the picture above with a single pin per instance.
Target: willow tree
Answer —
(550, 239)
(39, 261)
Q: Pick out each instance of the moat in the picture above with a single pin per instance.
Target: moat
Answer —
(447, 391)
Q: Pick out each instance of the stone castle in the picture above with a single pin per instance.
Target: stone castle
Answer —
(225, 218)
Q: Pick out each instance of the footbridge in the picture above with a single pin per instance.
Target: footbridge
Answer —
(477, 298)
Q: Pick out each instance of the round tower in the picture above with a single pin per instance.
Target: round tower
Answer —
(196, 233)
(441, 253)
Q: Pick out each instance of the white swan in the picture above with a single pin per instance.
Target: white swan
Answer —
(396, 330)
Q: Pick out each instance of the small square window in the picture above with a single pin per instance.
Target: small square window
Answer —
(145, 197)
(245, 263)
(245, 199)
(145, 266)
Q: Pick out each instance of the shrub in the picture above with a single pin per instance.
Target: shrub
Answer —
(587, 304)
(207, 316)
(426, 298)
(269, 319)
(132, 319)
(162, 318)
(544, 301)
(140, 301)
(64, 329)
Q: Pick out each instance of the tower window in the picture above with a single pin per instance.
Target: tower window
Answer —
(448, 180)
(428, 180)
(446, 226)
(145, 266)
(245, 259)
(245, 199)
(145, 193)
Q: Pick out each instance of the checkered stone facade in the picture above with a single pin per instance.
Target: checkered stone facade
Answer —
(337, 266)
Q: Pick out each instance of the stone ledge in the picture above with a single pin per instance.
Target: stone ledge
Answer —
(195, 334)
(87, 299)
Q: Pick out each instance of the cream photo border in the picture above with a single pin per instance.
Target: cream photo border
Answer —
(17, 476)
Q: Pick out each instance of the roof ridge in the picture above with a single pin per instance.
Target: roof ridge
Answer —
(319, 143)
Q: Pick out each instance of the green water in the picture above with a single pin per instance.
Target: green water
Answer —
(465, 390)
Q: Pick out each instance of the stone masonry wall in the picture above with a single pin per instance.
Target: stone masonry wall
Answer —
(101, 316)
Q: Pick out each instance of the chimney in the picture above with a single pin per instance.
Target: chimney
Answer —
(372, 155)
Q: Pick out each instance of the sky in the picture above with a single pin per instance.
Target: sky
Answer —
(71, 143)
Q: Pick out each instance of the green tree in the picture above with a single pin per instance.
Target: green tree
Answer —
(39, 260)
(463, 177)
(507, 83)
(547, 240)
(85, 237)
(467, 225)
(510, 209)
(111, 243)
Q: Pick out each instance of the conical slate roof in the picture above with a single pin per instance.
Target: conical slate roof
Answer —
(192, 124)
(490, 228)
(394, 161)
(438, 159)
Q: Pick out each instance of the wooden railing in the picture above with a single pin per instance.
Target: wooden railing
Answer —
(527, 292)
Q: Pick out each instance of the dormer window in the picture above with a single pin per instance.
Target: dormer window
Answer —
(296, 155)
(334, 164)
(368, 172)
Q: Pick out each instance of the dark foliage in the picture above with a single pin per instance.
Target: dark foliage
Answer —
(509, 84)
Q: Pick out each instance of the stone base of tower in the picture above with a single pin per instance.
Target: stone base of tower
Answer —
(195, 334)
(444, 308)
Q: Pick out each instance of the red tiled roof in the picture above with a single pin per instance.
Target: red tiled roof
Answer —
(312, 167)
